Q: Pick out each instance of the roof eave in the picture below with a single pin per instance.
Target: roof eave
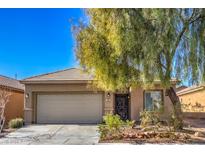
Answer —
(71, 81)
(171, 81)
(12, 88)
(190, 91)
(55, 81)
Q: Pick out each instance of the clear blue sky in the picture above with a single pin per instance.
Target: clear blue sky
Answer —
(36, 41)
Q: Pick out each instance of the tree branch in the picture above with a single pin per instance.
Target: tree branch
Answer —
(180, 15)
(178, 40)
(198, 18)
(186, 24)
(160, 63)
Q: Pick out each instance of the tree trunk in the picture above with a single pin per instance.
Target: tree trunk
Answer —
(176, 108)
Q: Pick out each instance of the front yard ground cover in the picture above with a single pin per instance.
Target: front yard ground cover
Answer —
(138, 136)
(117, 132)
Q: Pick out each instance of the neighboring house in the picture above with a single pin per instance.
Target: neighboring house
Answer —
(181, 88)
(193, 98)
(14, 108)
(67, 97)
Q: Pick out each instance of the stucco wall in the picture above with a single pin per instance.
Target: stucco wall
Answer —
(14, 108)
(192, 98)
(194, 115)
(136, 99)
(32, 90)
(137, 103)
(109, 103)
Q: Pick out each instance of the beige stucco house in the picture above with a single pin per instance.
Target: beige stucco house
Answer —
(15, 107)
(67, 97)
(193, 101)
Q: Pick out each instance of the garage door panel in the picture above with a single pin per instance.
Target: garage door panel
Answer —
(69, 108)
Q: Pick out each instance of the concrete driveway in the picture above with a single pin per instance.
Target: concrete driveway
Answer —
(53, 134)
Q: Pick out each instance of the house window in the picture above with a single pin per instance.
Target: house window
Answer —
(153, 100)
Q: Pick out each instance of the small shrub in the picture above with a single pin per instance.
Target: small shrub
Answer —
(113, 122)
(129, 123)
(113, 126)
(188, 107)
(103, 130)
(16, 123)
(149, 118)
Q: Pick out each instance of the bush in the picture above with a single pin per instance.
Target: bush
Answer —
(16, 123)
(149, 118)
(103, 130)
(112, 127)
(113, 122)
(129, 123)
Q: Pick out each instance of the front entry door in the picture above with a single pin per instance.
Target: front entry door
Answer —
(121, 106)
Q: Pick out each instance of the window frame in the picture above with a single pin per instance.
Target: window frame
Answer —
(162, 96)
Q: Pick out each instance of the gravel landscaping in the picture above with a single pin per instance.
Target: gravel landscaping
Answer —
(193, 132)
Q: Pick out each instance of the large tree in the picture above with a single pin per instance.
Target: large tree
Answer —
(129, 47)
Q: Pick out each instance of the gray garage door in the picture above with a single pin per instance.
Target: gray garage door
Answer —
(69, 108)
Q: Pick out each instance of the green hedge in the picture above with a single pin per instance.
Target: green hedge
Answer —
(16, 123)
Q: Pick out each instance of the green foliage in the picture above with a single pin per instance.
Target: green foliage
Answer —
(129, 123)
(16, 123)
(112, 126)
(149, 118)
(192, 107)
(113, 122)
(130, 47)
(152, 118)
(103, 130)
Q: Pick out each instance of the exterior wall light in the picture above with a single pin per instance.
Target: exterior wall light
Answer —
(128, 96)
(27, 95)
(108, 94)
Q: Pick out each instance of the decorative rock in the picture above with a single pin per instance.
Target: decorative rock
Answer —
(199, 134)
(136, 136)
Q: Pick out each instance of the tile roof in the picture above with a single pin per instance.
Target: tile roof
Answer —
(67, 74)
(11, 83)
(191, 89)
(75, 75)
(180, 88)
